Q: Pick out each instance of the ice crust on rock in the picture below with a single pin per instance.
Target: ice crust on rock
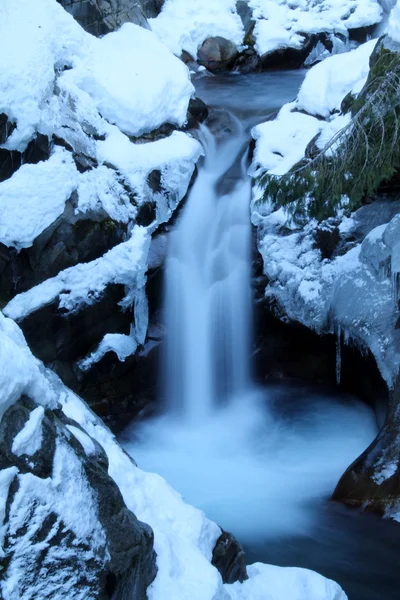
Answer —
(355, 292)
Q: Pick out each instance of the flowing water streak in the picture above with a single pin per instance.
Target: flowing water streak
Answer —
(208, 298)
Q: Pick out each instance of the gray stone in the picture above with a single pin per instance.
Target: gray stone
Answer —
(103, 16)
(217, 53)
(229, 558)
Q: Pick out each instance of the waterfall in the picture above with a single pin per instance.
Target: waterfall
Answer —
(208, 297)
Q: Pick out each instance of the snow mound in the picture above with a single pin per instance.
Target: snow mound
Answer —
(186, 24)
(328, 82)
(134, 81)
(34, 197)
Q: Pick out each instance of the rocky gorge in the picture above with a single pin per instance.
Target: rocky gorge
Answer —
(96, 167)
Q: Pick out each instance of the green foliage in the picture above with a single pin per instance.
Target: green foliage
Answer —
(357, 160)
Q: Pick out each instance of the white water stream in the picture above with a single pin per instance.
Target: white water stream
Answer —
(254, 466)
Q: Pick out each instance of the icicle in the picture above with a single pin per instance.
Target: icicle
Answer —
(395, 288)
(338, 354)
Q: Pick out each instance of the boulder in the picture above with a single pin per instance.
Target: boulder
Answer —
(217, 54)
(65, 516)
(229, 558)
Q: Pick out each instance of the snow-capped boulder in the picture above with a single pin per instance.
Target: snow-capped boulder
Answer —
(65, 517)
(217, 53)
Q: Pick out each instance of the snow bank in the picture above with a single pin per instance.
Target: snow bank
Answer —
(282, 24)
(328, 82)
(186, 24)
(83, 284)
(34, 197)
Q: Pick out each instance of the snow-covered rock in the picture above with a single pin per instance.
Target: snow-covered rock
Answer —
(184, 25)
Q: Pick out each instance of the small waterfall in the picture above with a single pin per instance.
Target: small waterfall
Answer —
(208, 297)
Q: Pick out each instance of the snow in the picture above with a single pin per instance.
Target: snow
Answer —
(281, 143)
(67, 496)
(115, 74)
(34, 197)
(29, 439)
(6, 477)
(394, 23)
(84, 440)
(284, 24)
(27, 79)
(328, 82)
(20, 372)
(83, 284)
(102, 189)
(175, 156)
(186, 24)
(110, 75)
(123, 346)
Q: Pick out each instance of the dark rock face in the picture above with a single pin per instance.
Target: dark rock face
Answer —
(109, 554)
(37, 150)
(217, 54)
(229, 558)
(103, 16)
(372, 482)
(65, 243)
(197, 113)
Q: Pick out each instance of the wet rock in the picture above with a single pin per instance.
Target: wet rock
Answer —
(37, 150)
(229, 558)
(217, 54)
(197, 113)
(6, 128)
(372, 482)
(54, 336)
(327, 238)
(110, 557)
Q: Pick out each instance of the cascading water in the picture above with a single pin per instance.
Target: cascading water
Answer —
(260, 462)
(208, 297)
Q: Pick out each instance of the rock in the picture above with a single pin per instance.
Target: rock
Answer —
(37, 150)
(217, 54)
(246, 14)
(70, 240)
(66, 516)
(229, 558)
(372, 482)
(6, 128)
(99, 17)
(327, 238)
(197, 113)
